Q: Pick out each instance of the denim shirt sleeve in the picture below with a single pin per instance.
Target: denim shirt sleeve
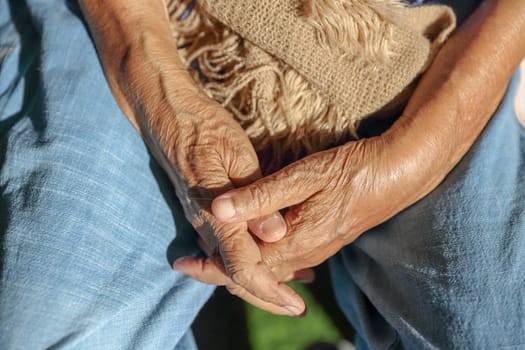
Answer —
(462, 8)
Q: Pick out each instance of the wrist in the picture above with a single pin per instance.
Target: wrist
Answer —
(457, 96)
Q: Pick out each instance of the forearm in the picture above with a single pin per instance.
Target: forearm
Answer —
(457, 96)
(141, 63)
(198, 143)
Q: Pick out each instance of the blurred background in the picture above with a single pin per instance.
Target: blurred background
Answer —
(227, 323)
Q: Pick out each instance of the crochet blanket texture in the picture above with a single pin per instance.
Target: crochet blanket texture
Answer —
(300, 75)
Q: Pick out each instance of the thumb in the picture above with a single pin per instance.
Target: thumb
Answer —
(289, 186)
(244, 171)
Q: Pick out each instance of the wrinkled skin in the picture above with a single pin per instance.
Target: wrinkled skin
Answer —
(334, 196)
(331, 197)
(203, 150)
(213, 155)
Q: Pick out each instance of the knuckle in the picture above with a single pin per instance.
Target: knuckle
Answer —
(238, 156)
(225, 234)
(241, 277)
(338, 168)
(293, 175)
(273, 258)
(283, 274)
(257, 197)
(304, 174)
(346, 231)
(245, 158)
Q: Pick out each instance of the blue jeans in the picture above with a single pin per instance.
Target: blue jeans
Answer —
(448, 272)
(89, 222)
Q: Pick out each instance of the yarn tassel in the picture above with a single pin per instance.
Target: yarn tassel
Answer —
(356, 28)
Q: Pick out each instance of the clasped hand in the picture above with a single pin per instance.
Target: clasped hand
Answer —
(329, 199)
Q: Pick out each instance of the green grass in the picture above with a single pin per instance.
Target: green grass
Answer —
(269, 332)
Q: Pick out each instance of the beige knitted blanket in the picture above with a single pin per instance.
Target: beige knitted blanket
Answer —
(300, 75)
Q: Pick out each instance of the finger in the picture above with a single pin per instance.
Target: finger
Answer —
(246, 174)
(217, 276)
(203, 270)
(269, 228)
(208, 271)
(240, 253)
(243, 263)
(311, 240)
(237, 248)
(261, 304)
(287, 187)
(303, 276)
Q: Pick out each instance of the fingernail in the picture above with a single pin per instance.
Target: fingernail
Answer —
(179, 261)
(295, 311)
(224, 208)
(274, 228)
(305, 312)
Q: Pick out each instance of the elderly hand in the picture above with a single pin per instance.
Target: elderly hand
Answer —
(334, 196)
(203, 150)
(211, 154)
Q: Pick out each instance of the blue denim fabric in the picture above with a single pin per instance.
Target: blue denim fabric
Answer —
(87, 218)
(88, 222)
(448, 272)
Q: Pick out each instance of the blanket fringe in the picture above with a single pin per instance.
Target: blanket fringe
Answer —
(283, 116)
